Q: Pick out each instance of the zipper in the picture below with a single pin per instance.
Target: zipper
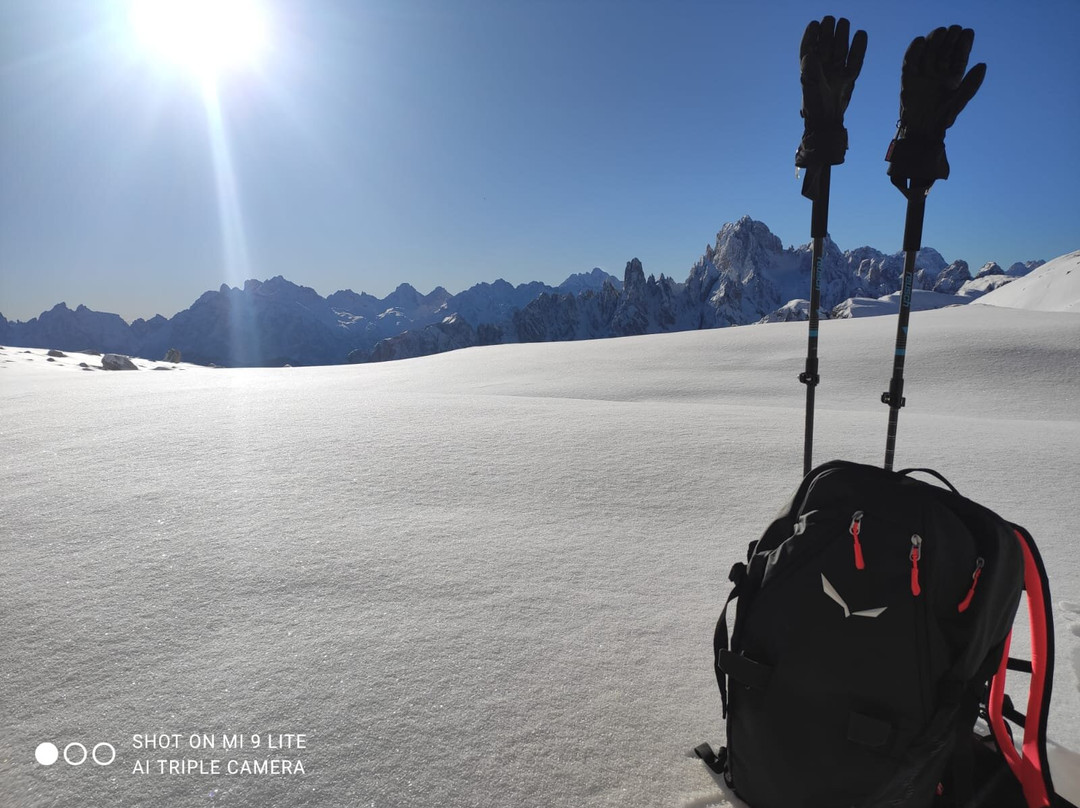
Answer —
(980, 562)
(915, 555)
(856, 526)
(920, 613)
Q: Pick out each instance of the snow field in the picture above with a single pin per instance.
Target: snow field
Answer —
(486, 578)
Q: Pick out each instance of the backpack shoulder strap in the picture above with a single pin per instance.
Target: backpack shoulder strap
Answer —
(1029, 764)
(721, 643)
(717, 761)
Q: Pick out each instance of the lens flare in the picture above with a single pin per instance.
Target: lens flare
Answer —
(207, 38)
(204, 36)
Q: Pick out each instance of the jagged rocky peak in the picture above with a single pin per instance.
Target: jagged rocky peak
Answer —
(792, 311)
(744, 248)
(142, 328)
(404, 297)
(595, 273)
(950, 279)
(634, 277)
(745, 276)
(437, 295)
(278, 288)
(990, 268)
(497, 285)
(350, 301)
(450, 333)
(929, 260)
(278, 285)
(1021, 268)
(586, 281)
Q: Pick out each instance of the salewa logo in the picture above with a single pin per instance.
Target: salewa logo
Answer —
(830, 590)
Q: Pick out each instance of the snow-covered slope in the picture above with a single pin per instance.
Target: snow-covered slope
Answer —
(921, 300)
(20, 361)
(1054, 286)
(484, 578)
(977, 287)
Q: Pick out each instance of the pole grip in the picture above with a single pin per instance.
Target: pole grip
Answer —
(819, 213)
(913, 223)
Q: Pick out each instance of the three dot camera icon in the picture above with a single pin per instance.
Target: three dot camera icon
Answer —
(75, 754)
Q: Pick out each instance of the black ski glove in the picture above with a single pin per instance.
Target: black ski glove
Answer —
(829, 69)
(933, 91)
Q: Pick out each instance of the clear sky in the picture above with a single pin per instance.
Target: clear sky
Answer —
(448, 142)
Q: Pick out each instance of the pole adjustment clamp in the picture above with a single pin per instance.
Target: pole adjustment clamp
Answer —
(895, 395)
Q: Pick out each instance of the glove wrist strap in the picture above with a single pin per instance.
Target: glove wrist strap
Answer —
(822, 146)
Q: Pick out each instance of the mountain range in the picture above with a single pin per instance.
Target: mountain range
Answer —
(746, 276)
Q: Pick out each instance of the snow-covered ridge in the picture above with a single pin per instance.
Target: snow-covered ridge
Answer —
(1054, 286)
(745, 276)
(277, 322)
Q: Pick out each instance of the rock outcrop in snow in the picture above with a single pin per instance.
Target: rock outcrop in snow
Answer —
(112, 361)
(950, 280)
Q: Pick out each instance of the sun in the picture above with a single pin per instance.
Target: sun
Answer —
(207, 37)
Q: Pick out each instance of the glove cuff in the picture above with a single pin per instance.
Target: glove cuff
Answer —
(918, 158)
(822, 147)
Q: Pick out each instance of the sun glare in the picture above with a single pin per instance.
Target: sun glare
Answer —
(206, 37)
(209, 38)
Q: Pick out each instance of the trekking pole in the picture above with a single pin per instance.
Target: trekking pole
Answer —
(933, 91)
(819, 229)
(828, 69)
(913, 225)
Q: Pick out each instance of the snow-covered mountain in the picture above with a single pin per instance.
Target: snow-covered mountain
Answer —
(586, 281)
(745, 276)
(1053, 286)
(73, 329)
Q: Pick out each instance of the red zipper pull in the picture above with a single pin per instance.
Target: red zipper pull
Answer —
(979, 564)
(856, 524)
(916, 554)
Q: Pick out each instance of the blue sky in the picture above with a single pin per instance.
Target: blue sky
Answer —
(448, 142)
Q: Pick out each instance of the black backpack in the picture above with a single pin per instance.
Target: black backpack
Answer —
(867, 663)
(873, 617)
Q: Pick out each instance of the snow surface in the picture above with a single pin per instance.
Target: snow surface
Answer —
(921, 300)
(483, 578)
(977, 287)
(1055, 286)
(37, 360)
